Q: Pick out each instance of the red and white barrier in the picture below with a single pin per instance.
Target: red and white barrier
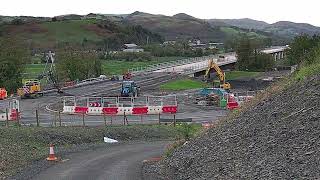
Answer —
(13, 111)
(119, 106)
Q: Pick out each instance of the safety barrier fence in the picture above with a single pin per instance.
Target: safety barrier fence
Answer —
(57, 119)
(9, 110)
(120, 105)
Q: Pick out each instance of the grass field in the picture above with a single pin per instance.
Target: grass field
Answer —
(231, 32)
(110, 67)
(233, 75)
(183, 84)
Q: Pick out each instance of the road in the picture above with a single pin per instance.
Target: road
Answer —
(114, 162)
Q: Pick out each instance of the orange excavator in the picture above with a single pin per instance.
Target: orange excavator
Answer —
(3, 93)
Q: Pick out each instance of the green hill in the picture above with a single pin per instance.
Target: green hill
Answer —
(50, 34)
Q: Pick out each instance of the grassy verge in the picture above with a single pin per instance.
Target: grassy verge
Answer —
(307, 71)
(233, 75)
(183, 84)
(21, 146)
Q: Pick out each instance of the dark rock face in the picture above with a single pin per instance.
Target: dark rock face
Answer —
(277, 139)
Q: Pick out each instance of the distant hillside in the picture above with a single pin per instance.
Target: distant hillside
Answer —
(241, 23)
(49, 34)
(281, 28)
(41, 31)
(292, 29)
(180, 26)
(184, 26)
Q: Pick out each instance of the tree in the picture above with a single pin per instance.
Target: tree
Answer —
(78, 65)
(249, 57)
(302, 48)
(12, 59)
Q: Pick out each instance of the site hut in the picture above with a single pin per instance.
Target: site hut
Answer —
(132, 48)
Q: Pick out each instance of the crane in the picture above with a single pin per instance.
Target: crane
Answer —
(220, 74)
(32, 88)
(49, 72)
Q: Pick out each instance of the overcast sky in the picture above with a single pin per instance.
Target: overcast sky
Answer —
(267, 10)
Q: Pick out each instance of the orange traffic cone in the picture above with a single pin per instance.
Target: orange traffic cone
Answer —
(52, 156)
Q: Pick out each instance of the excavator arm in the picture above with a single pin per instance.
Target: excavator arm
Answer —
(220, 74)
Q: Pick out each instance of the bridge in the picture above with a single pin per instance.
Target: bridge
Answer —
(278, 52)
(194, 66)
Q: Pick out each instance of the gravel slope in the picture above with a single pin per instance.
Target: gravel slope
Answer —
(277, 139)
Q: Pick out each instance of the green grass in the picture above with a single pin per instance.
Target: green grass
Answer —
(110, 67)
(307, 71)
(231, 32)
(233, 75)
(71, 31)
(33, 70)
(183, 84)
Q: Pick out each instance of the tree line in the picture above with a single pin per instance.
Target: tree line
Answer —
(249, 56)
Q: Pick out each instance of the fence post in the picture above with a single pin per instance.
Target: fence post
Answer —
(159, 118)
(111, 120)
(105, 119)
(174, 120)
(83, 123)
(18, 117)
(37, 118)
(124, 118)
(59, 116)
(55, 120)
(7, 118)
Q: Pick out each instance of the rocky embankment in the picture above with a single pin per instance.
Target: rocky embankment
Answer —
(279, 138)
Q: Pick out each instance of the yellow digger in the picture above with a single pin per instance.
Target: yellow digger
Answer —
(220, 74)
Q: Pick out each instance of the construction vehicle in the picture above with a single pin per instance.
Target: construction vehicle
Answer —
(31, 89)
(129, 89)
(127, 76)
(3, 93)
(220, 74)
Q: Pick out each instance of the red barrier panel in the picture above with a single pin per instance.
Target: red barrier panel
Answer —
(82, 110)
(170, 109)
(110, 110)
(232, 105)
(14, 114)
(140, 110)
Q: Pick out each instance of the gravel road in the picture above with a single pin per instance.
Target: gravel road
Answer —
(117, 161)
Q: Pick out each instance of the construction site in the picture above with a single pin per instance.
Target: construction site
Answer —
(140, 96)
(134, 97)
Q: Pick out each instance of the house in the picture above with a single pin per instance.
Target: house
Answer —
(132, 48)
(169, 43)
(196, 44)
(216, 45)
